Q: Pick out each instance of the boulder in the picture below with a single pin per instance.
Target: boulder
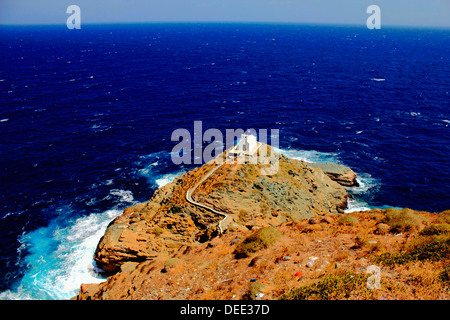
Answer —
(382, 228)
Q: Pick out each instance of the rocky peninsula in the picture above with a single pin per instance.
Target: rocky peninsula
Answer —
(284, 233)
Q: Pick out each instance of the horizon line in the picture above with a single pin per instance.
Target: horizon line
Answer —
(334, 24)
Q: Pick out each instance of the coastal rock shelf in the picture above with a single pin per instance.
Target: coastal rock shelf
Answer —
(167, 221)
(283, 236)
(338, 172)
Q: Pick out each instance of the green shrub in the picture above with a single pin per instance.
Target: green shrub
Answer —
(243, 215)
(157, 231)
(425, 248)
(444, 216)
(435, 229)
(403, 219)
(347, 220)
(253, 289)
(260, 239)
(333, 286)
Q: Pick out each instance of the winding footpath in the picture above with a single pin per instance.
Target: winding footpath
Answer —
(223, 224)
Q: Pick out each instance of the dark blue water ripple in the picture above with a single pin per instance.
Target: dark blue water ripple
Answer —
(86, 116)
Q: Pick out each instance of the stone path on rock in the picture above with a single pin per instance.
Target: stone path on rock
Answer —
(224, 223)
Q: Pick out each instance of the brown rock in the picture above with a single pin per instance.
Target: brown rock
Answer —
(327, 219)
(87, 291)
(167, 221)
(165, 226)
(339, 173)
(170, 263)
(382, 228)
(212, 272)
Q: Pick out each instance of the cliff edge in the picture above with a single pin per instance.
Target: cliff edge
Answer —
(168, 221)
(230, 232)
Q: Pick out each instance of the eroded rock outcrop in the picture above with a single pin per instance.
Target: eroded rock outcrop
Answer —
(339, 173)
(167, 222)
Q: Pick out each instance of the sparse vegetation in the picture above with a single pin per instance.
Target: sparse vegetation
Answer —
(253, 289)
(250, 172)
(444, 276)
(432, 248)
(376, 215)
(243, 215)
(347, 220)
(435, 229)
(402, 220)
(415, 264)
(444, 216)
(157, 231)
(361, 241)
(258, 240)
(334, 286)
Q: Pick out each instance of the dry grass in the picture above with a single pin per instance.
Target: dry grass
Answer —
(347, 220)
(334, 286)
(258, 240)
(444, 216)
(402, 220)
(419, 266)
(419, 280)
(435, 229)
(434, 248)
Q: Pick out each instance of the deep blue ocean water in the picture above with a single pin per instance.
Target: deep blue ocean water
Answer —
(86, 118)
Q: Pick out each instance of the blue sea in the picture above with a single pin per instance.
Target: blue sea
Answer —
(86, 118)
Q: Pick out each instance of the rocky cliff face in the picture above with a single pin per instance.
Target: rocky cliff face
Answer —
(339, 173)
(324, 257)
(283, 239)
(168, 222)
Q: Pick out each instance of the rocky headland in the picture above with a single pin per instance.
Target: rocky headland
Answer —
(277, 236)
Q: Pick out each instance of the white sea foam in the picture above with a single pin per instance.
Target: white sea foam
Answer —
(310, 156)
(167, 178)
(155, 164)
(378, 79)
(366, 183)
(77, 247)
(4, 120)
(124, 195)
(100, 127)
(60, 255)
(356, 205)
(60, 258)
(18, 294)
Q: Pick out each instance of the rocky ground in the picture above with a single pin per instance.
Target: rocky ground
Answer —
(288, 239)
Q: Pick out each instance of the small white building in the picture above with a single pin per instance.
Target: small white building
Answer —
(246, 148)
